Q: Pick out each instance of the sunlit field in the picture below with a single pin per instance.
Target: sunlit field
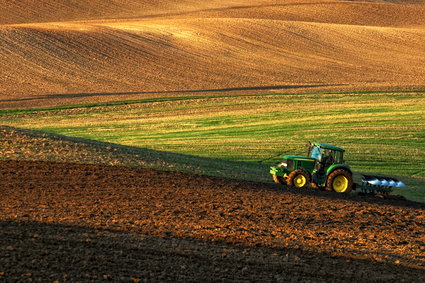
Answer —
(381, 132)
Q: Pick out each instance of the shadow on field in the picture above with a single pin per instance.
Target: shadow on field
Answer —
(40, 251)
(60, 148)
(94, 94)
(249, 175)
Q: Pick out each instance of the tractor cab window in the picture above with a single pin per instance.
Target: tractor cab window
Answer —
(331, 157)
(316, 153)
(339, 157)
(326, 155)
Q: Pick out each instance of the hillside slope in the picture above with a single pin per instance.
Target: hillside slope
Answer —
(128, 49)
(33, 11)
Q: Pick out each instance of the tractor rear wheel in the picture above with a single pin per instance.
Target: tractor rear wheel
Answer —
(340, 181)
(278, 179)
(298, 178)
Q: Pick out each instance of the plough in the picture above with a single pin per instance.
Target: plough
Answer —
(378, 184)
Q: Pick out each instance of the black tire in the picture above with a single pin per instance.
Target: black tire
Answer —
(298, 178)
(340, 181)
(278, 179)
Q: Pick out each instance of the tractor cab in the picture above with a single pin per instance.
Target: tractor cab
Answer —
(325, 154)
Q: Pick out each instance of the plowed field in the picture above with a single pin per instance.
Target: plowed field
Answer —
(73, 52)
(70, 222)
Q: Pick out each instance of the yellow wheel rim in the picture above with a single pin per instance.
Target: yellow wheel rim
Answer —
(300, 181)
(340, 184)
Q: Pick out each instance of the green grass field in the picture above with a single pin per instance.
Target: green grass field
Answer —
(382, 132)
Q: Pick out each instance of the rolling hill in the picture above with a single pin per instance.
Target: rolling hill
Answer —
(74, 52)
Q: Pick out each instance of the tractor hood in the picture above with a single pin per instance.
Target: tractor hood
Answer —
(292, 162)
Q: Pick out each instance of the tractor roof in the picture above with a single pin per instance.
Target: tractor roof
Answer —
(327, 146)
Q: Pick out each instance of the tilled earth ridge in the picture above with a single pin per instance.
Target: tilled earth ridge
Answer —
(100, 51)
(73, 222)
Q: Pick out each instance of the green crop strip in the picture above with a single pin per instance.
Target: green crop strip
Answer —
(383, 132)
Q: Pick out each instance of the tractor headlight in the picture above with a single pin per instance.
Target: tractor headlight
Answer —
(283, 164)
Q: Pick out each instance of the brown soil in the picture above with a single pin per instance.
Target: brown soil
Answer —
(69, 53)
(70, 222)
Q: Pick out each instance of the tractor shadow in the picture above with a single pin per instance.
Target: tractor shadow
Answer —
(354, 196)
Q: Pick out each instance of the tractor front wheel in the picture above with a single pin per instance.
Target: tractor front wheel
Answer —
(340, 181)
(298, 178)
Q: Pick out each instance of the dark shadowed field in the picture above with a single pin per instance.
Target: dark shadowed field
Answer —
(71, 222)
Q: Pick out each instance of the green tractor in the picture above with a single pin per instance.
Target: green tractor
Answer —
(323, 167)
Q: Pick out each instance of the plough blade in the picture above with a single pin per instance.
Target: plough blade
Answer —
(382, 181)
(380, 184)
